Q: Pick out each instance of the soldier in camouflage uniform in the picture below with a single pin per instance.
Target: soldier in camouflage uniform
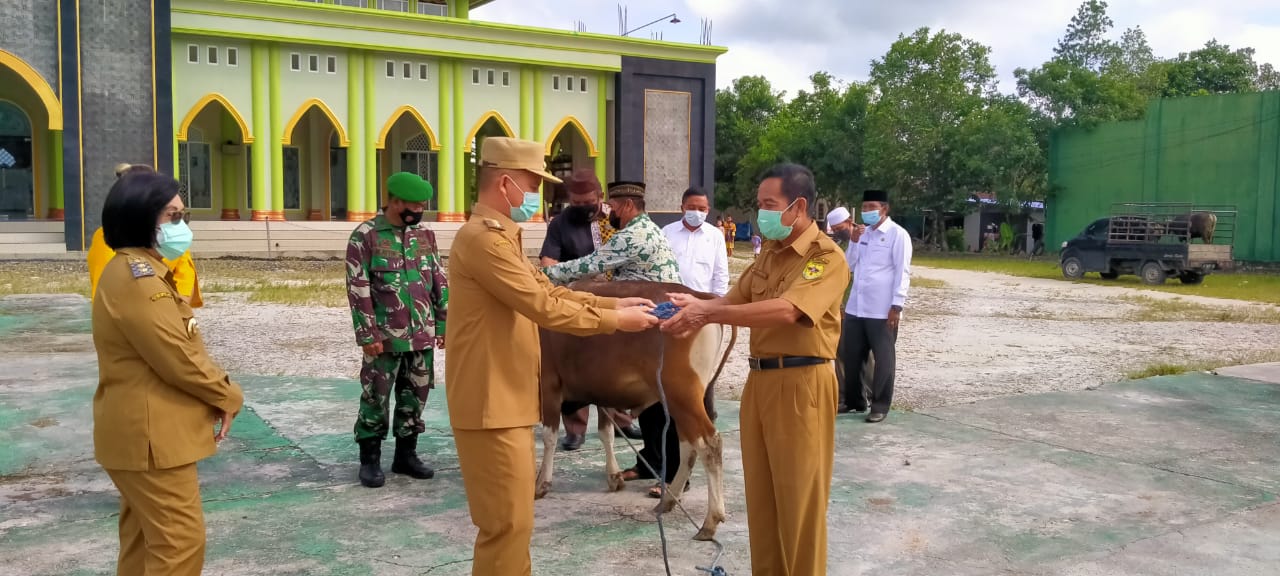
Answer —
(398, 295)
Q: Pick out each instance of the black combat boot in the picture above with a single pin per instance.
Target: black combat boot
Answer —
(371, 463)
(406, 461)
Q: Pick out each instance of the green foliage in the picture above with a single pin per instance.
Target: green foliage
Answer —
(955, 239)
(930, 126)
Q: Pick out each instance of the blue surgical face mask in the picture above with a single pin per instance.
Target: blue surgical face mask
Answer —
(871, 218)
(771, 223)
(173, 240)
(694, 218)
(532, 202)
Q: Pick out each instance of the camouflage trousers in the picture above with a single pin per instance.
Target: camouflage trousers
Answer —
(412, 375)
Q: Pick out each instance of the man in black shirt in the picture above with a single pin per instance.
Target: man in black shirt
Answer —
(575, 233)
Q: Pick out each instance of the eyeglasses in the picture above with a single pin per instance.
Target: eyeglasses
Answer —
(176, 216)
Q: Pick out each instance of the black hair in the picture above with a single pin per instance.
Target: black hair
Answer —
(133, 207)
(797, 182)
(694, 191)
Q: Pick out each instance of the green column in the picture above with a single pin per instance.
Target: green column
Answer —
(460, 8)
(526, 103)
(602, 135)
(459, 141)
(261, 150)
(230, 169)
(373, 200)
(355, 131)
(277, 135)
(537, 128)
(446, 204)
(57, 202)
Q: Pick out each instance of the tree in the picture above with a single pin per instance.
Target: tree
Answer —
(1268, 78)
(929, 87)
(1214, 69)
(822, 129)
(1085, 44)
(742, 113)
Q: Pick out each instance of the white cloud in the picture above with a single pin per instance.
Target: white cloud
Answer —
(787, 41)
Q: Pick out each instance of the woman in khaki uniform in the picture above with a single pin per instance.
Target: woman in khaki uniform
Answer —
(159, 394)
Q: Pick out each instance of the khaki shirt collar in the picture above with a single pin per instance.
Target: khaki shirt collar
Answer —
(509, 227)
(806, 239)
(162, 270)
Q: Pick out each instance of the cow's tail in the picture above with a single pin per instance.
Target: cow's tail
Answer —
(733, 339)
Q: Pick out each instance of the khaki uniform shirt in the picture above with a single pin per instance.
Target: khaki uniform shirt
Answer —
(497, 301)
(158, 390)
(811, 274)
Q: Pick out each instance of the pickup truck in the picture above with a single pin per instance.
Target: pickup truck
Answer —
(1154, 249)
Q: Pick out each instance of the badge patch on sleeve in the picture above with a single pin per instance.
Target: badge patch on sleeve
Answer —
(141, 268)
(813, 269)
(160, 295)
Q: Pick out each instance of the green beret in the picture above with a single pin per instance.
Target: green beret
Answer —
(409, 187)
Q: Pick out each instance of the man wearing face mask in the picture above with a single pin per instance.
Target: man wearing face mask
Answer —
(879, 255)
(577, 232)
(790, 299)
(491, 379)
(699, 246)
(399, 296)
(842, 229)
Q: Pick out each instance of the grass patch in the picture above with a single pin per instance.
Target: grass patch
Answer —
(927, 283)
(1179, 310)
(1253, 287)
(1174, 369)
(326, 294)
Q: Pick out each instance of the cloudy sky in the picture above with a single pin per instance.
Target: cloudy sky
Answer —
(786, 40)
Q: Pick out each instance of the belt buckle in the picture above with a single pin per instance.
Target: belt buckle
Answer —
(753, 363)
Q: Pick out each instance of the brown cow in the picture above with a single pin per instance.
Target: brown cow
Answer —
(1195, 225)
(620, 371)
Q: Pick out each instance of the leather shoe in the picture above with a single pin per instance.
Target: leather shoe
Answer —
(631, 432)
(571, 442)
(875, 417)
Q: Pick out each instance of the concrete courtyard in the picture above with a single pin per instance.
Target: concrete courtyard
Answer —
(1170, 475)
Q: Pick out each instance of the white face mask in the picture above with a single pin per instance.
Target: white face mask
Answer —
(694, 218)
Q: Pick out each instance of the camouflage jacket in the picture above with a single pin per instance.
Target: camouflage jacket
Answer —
(639, 251)
(396, 286)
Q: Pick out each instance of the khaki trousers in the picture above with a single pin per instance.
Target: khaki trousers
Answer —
(161, 522)
(498, 473)
(788, 450)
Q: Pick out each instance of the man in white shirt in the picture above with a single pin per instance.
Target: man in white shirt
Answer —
(699, 246)
(879, 257)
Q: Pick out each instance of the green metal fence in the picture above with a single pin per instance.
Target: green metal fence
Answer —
(1210, 150)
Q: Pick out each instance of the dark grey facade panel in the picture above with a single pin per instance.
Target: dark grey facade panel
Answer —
(627, 141)
(29, 30)
(118, 108)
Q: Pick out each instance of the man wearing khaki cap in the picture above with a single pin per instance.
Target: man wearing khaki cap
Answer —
(498, 300)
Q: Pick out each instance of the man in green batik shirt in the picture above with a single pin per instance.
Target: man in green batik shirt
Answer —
(637, 251)
(398, 294)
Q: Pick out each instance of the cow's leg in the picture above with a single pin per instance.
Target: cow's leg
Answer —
(613, 474)
(551, 396)
(713, 463)
(688, 458)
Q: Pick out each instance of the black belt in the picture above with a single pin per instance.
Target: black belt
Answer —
(784, 362)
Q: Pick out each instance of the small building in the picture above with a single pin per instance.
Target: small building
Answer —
(987, 215)
(283, 118)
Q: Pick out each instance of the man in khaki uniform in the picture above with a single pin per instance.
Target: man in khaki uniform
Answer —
(790, 298)
(498, 300)
(158, 393)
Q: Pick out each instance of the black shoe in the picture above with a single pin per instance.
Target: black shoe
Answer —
(876, 417)
(846, 409)
(371, 463)
(571, 442)
(406, 461)
(632, 432)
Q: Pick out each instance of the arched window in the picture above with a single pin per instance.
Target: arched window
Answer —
(418, 158)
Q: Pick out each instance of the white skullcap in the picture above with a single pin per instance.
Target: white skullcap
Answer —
(838, 216)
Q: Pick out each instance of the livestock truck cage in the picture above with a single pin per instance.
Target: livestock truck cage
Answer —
(1177, 223)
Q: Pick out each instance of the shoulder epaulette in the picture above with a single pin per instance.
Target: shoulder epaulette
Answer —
(141, 268)
(493, 224)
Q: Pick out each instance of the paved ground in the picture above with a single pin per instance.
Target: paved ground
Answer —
(1173, 475)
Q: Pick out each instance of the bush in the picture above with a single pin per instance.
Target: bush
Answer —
(955, 239)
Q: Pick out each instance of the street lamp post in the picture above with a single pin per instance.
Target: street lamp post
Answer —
(674, 20)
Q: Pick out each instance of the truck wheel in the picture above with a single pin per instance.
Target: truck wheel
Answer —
(1191, 277)
(1109, 275)
(1073, 268)
(1153, 273)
